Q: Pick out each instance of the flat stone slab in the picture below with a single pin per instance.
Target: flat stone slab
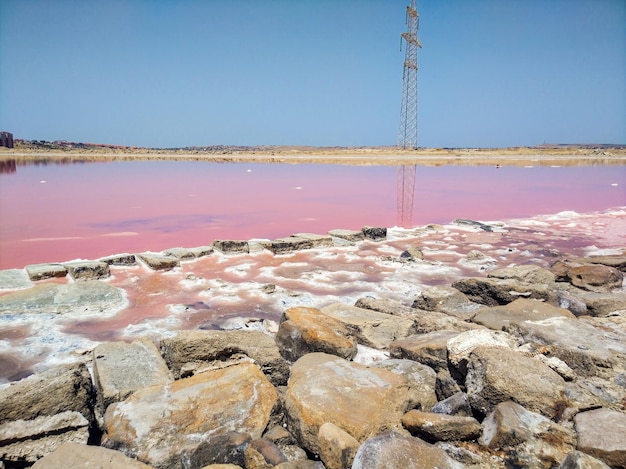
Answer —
(14, 279)
(121, 368)
(88, 297)
(317, 240)
(352, 236)
(201, 251)
(602, 433)
(180, 253)
(231, 246)
(120, 259)
(43, 271)
(87, 270)
(159, 261)
(289, 244)
(83, 456)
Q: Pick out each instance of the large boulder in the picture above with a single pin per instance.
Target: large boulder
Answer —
(213, 347)
(163, 425)
(422, 380)
(516, 312)
(446, 300)
(525, 273)
(79, 456)
(602, 433)
(361, 401)
(304, 330)
(495, 291)
(371, 328)
(497, 374)
(460, 346)
(528, 439)
(121, 368)
(337, 447)
(441, 427)
(593, 277)
(394, 450)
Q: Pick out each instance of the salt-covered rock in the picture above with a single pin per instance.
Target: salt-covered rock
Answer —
(592, 277)
(516, 312)
(497, 374)
(121, 368)
(602, 434)
(79, 456)
(43, 271)
(289, 244)
(446, 300)
(180, 253)
(371, 328)
(120, 259)
(579, 460)
(412, 253)
(352, 236)
(460, 346)
(361, 401)
(457, 404)
(217, 346)
(157, 261)
(441, 427)
(317, 240)
(303, 330)
(225, 246)
(160, 423)
(87, 270)
(528, 439)
(525, 273)
(14, 279)
(394, 450)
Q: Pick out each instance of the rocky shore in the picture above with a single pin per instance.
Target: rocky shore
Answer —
(521, 365)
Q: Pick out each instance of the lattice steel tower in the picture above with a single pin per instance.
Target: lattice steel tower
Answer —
(408, 114)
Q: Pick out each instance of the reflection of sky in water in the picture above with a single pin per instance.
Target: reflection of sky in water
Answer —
(97, 209)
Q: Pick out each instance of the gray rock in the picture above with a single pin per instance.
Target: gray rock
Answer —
(579, 460)
(221, 451)
(120, 368)
(81, 456)
(317, 240)
(457, 404)
(421, 380)
(262, 454)
(347, 235)
(304, 330)
(430, 349)
(525, 273)
(447, 300)
(158, 261)
(180, 253)
(374, 233)
(517, 312)
(441, 427)
(527, 438)
(361, 401)
(14, 279)
(371, 328)
(460, 346)
(337, 447)
(218, 346)
(394, 450)
(59, 389)
(445, 385)
(43, 271)
(494, 292)
(87, 270)
(602, 434)
(224, 246)
(603, 304)
(120, 260)
(412, 254)
(90, 296)
(497, 374)
(164, 425)
(201, 251)
(29, 440)
(289, 244)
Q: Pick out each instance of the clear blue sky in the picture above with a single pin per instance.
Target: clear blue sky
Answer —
(311, 72)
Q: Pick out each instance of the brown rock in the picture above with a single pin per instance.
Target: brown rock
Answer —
(430, 349)
(602, 434)
(393, 450)
(441, 427)
(494, 291)
(525, 273)
(446, 300)
(289, 244)
(374, 233)
(497, 374)
(421, 378)
(231, 246)
(87, 270)
(158, 261)
(160, 423)
(304, 330)
(262, 454)
(77, 456)
(337, 447)
(325, 388)
(580, 460)
(595, 278)
(217, 346)
(516, 312)
(44, 271)
(316, 240)
(347, 235)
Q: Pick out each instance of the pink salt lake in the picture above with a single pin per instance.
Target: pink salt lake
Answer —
(52, 213)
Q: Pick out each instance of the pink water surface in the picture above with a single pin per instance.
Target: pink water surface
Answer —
(53, 213)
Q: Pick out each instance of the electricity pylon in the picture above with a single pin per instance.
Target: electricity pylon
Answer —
(408, 118)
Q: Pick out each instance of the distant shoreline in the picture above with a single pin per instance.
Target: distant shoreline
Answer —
(389, 156)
